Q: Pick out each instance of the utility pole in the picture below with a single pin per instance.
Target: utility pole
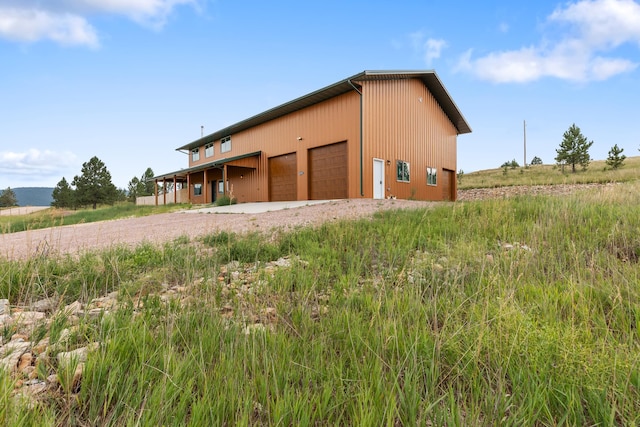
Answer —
(525, 142)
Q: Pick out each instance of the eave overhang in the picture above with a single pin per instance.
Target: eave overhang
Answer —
(428, 77)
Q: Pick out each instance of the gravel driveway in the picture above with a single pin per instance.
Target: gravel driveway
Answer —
(74, 239)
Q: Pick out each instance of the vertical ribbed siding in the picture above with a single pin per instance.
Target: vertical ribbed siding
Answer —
(328, 122)
(403, 121)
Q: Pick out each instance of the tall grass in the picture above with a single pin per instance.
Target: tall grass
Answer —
(57, 217)
(518, 311)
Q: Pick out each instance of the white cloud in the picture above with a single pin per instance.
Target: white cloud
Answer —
(32, 25)
(34, 162)
(594, 28)
(429, 49)
(67, 21)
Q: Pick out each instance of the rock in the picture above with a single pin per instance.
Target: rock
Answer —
(79, 354)
(42, 345)
(282, 262)
(25, 361)
(34, 387)
(11, 353)
(19, 337)
(45, 305)
(5, 319)
(77, 375)
(5, 308)
(27, 318)
(73, 308)
(490, 258)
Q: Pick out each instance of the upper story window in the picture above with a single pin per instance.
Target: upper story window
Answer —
(208, 150)
(225, 144)
(402, 171)
(195, 154)
(432, 176)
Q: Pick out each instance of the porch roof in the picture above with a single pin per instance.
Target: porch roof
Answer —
(181, 175)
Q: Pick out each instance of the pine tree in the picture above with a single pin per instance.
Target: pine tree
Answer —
(135, 188)
(149, 184)
(8, 198)
(615, 159)
(536, 161)
(143, 186)
(574, 149)
(63, 195)
(94, 185)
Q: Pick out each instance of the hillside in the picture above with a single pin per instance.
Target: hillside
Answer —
(33, 196)
(550, 175)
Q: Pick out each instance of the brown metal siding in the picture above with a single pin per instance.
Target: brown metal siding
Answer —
(282, 178)
(403, 121)
(336, 119)
(328, 172)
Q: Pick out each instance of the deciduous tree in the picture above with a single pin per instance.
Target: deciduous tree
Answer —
(536, 161)
(94, 185)
(574, 149)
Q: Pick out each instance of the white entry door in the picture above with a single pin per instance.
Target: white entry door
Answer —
(378, 179)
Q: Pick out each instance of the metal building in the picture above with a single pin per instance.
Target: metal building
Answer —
(377, 134)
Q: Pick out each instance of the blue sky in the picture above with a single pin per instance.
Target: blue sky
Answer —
(131, 80)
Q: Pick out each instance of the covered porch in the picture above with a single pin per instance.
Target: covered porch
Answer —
(235, 177)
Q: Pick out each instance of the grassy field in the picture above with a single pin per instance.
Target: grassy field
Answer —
(56, 217)
(551, 175)
(519, 311)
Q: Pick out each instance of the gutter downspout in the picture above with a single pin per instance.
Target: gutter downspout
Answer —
(361, 153)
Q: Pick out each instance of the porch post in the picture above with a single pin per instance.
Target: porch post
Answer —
(164, 190)
(155, 192)
(205, 190)
(175, 191)
(224, 179)
(189, 187)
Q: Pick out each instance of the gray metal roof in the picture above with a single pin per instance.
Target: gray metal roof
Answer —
(428, 77)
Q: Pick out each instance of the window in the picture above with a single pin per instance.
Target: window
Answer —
(197, 190)
(402, 171)
(432, 176)
(221, 187)
(208, 150)
(195, 154)
(225, 144)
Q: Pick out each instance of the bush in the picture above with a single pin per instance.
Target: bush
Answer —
(225, 201)
(511, 164)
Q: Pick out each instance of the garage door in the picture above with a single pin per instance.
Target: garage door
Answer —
(328, 172)
(283, 178)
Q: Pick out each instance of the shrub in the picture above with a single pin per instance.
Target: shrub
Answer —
(225, 201)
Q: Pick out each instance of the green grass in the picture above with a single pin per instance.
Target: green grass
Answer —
(597, 172)
(412, 318)
(57, 217)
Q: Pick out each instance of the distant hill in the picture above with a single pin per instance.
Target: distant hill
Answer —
(34, 196)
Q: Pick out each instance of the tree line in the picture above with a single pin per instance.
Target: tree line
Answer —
(94, 186)
(574, 151)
